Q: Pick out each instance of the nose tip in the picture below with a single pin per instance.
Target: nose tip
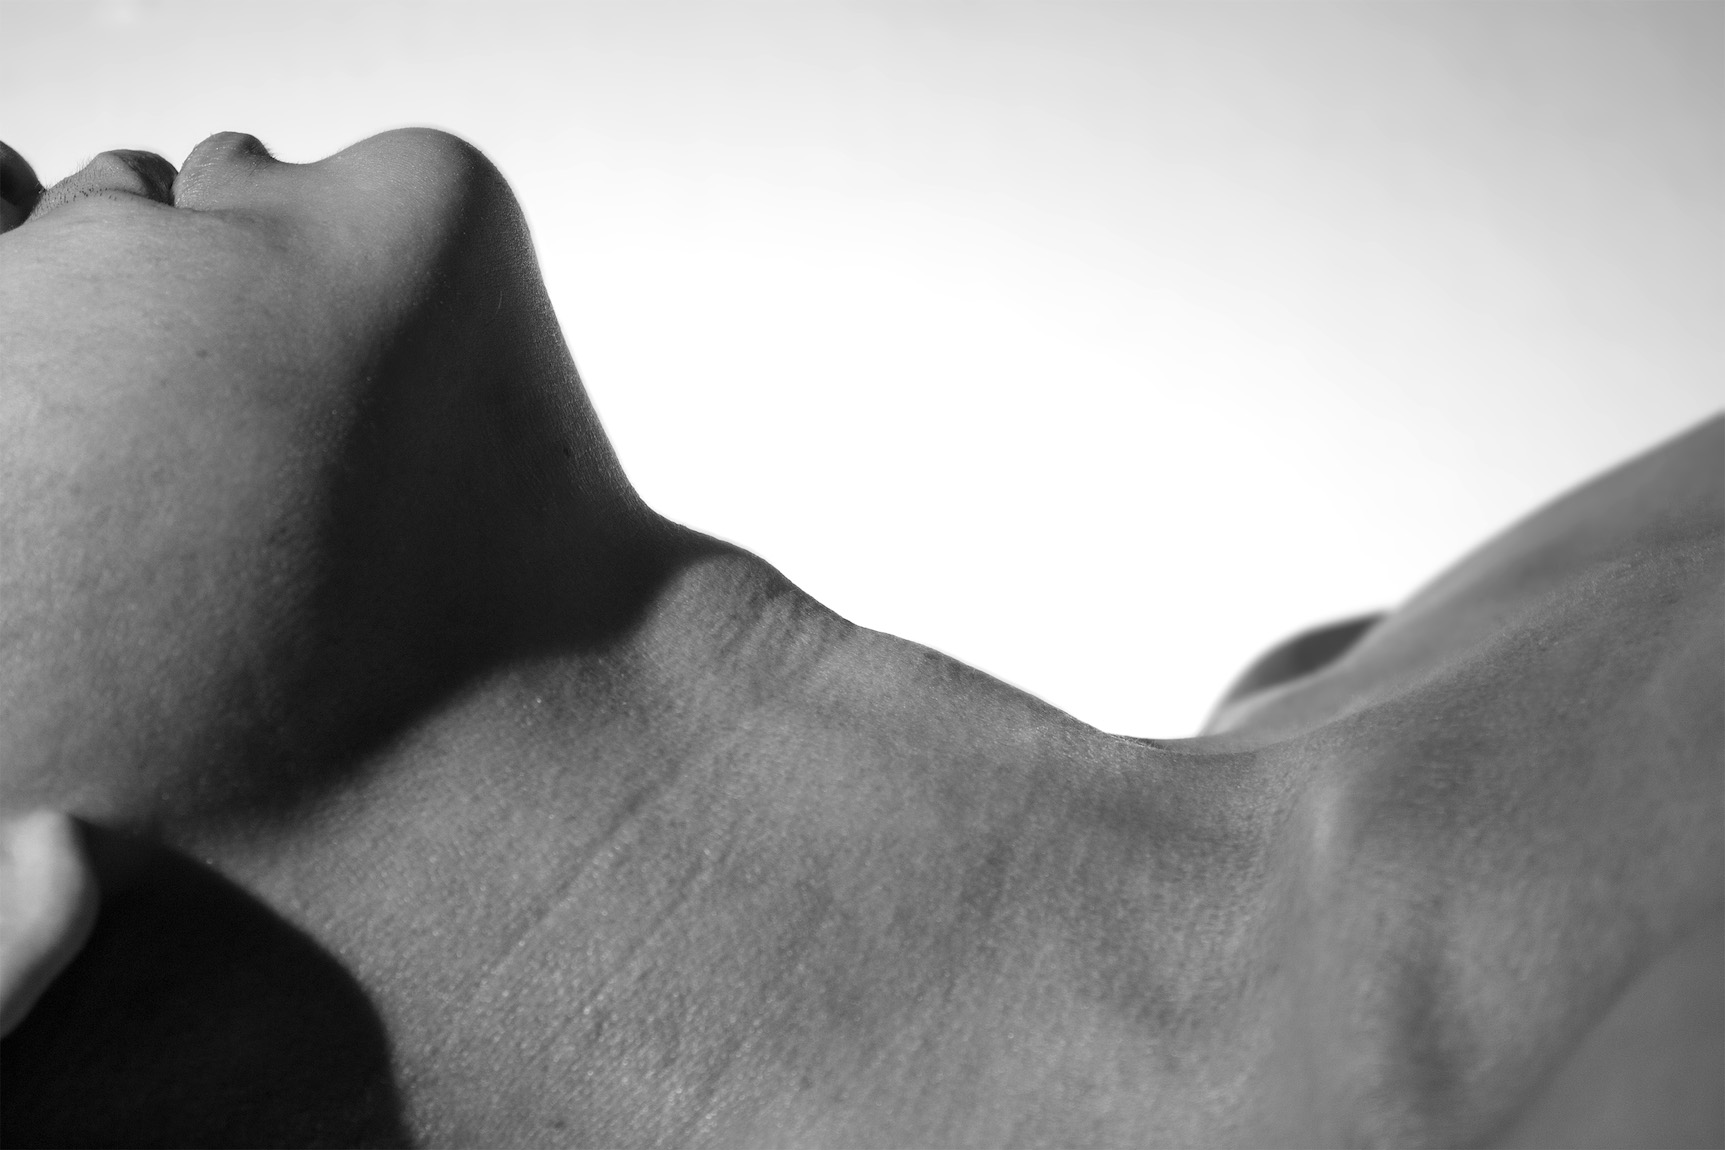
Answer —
(19, 188)
(18, 183)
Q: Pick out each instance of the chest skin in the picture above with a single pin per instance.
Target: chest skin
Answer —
(850, 892)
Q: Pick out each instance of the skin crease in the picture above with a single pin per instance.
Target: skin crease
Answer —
(320, 571)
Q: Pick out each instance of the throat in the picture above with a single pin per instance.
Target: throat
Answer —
(753, 857)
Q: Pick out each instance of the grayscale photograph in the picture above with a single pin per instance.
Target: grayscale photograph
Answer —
(862, 573)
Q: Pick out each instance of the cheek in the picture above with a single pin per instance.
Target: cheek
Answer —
(259, 464)
(162, 434)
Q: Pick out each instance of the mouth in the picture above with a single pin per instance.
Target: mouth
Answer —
(120, 174)
(221, 152)
(124, 174)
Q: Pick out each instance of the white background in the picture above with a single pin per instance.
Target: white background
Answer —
(1098, 345)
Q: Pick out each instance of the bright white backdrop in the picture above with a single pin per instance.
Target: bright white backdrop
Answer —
(1097, 345)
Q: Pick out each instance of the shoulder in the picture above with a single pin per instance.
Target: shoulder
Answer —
(1533, 749)
(1628, 566)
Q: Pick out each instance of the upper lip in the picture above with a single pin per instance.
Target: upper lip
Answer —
(130, 169)
(126, 171)
(123, 171)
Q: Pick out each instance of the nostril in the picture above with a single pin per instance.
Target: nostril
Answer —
(18, 182)
(19, 188)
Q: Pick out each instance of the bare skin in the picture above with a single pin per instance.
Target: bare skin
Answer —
(47, 905)
(326, 576)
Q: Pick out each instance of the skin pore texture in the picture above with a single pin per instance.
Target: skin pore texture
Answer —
(434, 781)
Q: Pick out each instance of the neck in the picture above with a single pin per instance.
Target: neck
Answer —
(739, 802)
